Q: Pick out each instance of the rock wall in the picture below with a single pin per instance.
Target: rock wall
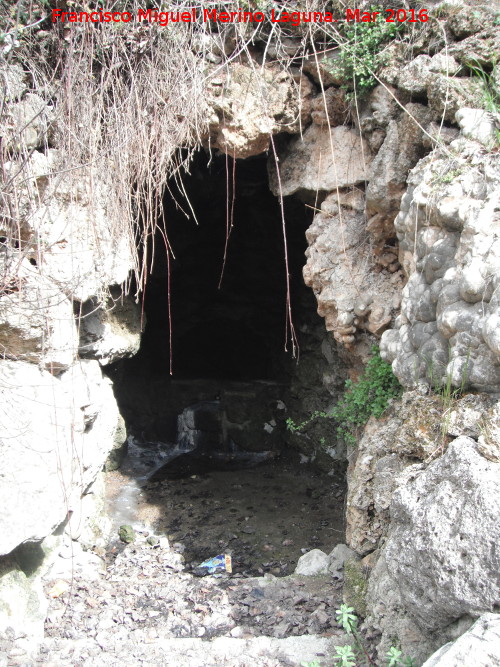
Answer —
(62, 266)
(403, 248)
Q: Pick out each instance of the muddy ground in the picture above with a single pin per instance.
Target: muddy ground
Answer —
(265, 517)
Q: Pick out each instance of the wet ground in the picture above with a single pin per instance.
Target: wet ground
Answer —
(265, 517)
(140, 604)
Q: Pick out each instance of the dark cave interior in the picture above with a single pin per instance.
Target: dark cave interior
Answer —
(198, 433)
(227, 340)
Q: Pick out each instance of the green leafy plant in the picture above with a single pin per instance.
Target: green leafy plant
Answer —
(367, 396)
(362, 55)
(356, 654)
(345, 656)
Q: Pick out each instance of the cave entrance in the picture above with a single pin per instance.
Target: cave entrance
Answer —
(197, 433)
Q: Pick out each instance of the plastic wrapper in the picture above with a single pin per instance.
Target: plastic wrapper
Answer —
(215, 565)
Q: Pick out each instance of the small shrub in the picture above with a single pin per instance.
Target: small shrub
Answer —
(369, 396)
(361, 55)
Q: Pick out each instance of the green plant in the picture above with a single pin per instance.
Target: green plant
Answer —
(368, 396)
(356, 654)
(489, 89)
(345, 656)
(362, 54)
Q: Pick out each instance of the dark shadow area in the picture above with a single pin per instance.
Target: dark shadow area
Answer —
(208, 444)
(228, 335)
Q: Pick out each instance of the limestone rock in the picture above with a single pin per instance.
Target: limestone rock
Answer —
(479, 49)
(26, 123)
(110, 333)
(56, 434)
(120, 446)
(13, 80)
(340, 554)
(413, 77)
(249, 106)
(71, 234)
(341, 270)
(89, 522)
(444, 527)
(400, 152)
(448, 244)
(489, 434)
(313, 563)
(464, 23)
(22, 605)
(478, 125)
(387, 617)
(449, 94)
(332, 108)
(478, 646)
(321, 160)
(36, 318)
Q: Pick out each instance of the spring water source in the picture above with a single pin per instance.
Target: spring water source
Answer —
(202, 444)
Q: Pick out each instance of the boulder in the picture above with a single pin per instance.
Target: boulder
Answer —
(478, 646)
(441, 549)
(320, 159)
(248, 106)
(56, 434)
(111, 332)
(313, 563)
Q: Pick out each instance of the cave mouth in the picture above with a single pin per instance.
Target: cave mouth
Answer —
(209, 460)
(216, 309)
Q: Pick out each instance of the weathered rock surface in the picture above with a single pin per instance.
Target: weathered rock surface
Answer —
(439, 568)
(448, 235)
(352, 293)
(478, 646)
(400, 152)
(23, 606)
(56, 434)
(110, 333)
(71, 232)
(249, 106)
(442, 559)
(36, 317)
(322, 159)
(417, 428)
(313, 563)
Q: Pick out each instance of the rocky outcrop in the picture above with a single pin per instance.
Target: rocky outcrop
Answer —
(110, 332)
(478, 646)
(322, 159)
(56, 435)
(69, 232)
(352, 293)
(248, 106)
(447, 230)
(414, 518)
(442, 560)
(36, 317)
